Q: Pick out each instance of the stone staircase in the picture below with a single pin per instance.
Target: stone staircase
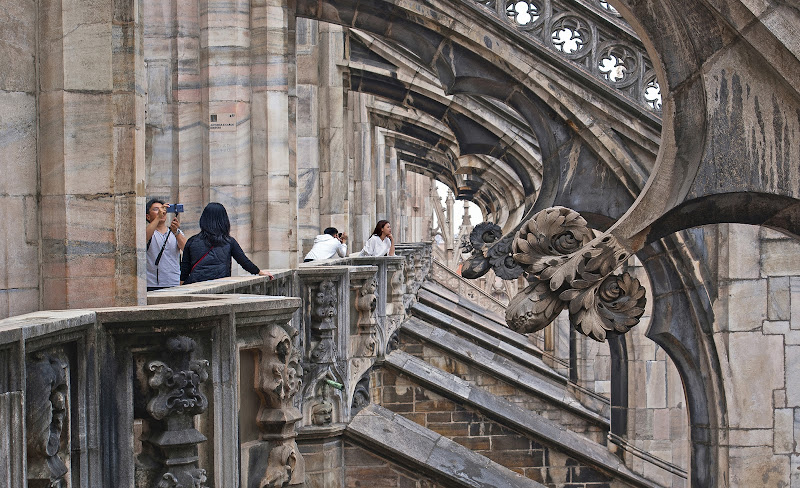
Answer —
(460, 374)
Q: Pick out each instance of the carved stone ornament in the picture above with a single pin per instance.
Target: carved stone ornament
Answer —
(568, 269)
(490, 250)
(361, 396)
(365, 303)
(323, 322)
(284, 466)
(278, 379)
(46, 410)
(176, 399)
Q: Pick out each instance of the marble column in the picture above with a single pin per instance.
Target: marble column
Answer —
(225, 37)
(176, 126)
(333, 168)
(90, 154)
(363, 209)
(19, 274)
(393, 189)
(307, 48)
(379, 158)
(273, 142)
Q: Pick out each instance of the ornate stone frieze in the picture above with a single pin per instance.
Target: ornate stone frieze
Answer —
(592, 37)
(175, 400)
(567, 268)
(46, 419)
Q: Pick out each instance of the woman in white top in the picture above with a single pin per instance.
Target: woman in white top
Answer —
(381, 242)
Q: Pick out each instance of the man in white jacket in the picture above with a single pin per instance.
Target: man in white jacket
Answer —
(328, 245)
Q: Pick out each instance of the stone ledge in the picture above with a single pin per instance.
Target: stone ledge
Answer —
(398, 437)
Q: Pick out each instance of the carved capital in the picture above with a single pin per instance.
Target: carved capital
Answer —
(567, 268)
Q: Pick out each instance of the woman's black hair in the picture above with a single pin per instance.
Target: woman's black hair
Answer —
(379, 227)
(215, 227)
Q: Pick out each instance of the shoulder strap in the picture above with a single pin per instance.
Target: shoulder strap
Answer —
(158, 258)
(198, 261)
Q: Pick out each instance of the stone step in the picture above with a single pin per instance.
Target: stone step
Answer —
(443, 300)
(503, 377)
(498, 428)
(401, 440)
(513, 350)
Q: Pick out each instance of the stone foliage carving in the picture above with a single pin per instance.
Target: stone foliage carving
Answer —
(176, 399)
(568, 269)
(278, 379)
(417, 269)
(279, 371)
(365, 303)
(46, 411)
(323, 322)
(490, 250)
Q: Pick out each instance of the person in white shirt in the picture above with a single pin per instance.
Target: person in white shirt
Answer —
(381, 242)
(327, 245)
(164, 245)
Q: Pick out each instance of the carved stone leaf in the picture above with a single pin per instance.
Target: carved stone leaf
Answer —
(533, 308)
(614, 305)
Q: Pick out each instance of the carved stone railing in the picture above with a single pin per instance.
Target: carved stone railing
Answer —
(418, 268)
(588, 37)
(452, 281)
(210, 384)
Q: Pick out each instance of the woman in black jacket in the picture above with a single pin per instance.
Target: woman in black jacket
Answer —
(207, 255)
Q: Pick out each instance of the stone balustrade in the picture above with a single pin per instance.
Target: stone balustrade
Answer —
(210, 384)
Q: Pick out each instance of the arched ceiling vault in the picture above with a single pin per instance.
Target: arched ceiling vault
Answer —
(505, 186)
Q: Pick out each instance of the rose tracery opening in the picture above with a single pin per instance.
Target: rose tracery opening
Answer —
(617, 64)
(522, 12)
(569, 35)
(652, 94)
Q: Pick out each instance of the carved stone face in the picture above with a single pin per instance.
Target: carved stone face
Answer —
(322, 413)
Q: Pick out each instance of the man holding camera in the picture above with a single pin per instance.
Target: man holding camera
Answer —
(164, 245)
(327, 245)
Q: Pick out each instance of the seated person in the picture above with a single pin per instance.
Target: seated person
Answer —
(327, 245)
(381, 242)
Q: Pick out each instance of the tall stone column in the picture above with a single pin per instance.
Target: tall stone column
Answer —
(273, 140)
(363, 209)
(379, 157)
(176, 135)
(19, 272)
(309, 94)
(91, 154)
(333, 168)
(226, 39)
(393, 189)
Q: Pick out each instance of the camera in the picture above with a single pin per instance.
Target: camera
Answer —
(175, 208)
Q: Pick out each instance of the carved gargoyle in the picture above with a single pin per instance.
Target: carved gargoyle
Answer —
(46, 410)
(567, 268)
